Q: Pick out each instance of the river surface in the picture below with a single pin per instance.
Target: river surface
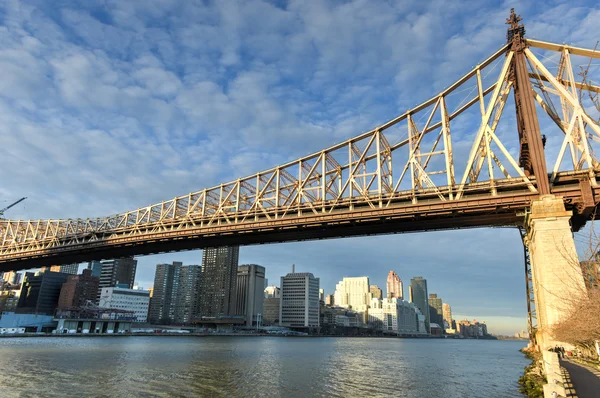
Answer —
(187, 366)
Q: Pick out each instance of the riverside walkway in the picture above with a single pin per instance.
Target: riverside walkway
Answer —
(585, 380)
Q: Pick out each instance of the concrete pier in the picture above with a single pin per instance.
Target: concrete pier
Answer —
(556, 274)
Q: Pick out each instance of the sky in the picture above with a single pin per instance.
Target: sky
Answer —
(107, 106)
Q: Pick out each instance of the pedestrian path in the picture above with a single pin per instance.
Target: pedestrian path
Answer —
(585, 380)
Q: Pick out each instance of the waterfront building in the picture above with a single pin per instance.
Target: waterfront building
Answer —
(93, 320)
(78, 290)
(218, 284)
(129, 300)
(40, 292)
(187, 293)
(394, 286)
(299, 300)
(96, 267)
(340, 317)
(472, 329)
(395, 316)
(421, 321)
(117, 272)
(272, 292)
(383, 314)
(164, 295)
(26, 323)
(250, 292)
(419, 297)
(408, 319)
(376, 292)
(447, 314)
(353, 293)
(270, 315)
(435, 310)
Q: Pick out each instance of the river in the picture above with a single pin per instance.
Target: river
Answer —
(186, 366)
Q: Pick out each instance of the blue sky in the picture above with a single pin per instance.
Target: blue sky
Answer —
(107, 106)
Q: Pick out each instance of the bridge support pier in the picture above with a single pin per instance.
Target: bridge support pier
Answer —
(556, 274)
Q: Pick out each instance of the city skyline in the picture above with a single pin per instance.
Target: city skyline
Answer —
(170, 115)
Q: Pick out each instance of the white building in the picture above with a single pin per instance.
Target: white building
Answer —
(354, 293)
(383, 314)
(299, 304)
(126, 299)
(396, 316)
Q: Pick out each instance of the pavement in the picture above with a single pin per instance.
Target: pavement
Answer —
(585, 380)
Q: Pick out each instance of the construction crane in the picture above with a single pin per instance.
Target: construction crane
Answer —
(9, 206)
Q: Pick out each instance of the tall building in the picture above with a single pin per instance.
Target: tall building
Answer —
(119, 271)
(375, 292)
(322, 295)
(40, 292)
(218, 285)
(353, 293)
(330, 300)
(96, 267)
(135, 300)
(250, 292)
(394, 286)
(447, 314)
(435, 310)
(270, 314)
(418, 296)
(299, 304)
(65, 269)
(164, 294)
(78, 290)
(188, 293)
(272, 292)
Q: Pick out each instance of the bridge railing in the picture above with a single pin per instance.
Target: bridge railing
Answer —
(359, 172)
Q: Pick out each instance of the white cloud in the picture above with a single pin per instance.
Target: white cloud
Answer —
(108, 106)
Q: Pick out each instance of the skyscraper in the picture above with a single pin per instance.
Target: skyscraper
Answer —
(435, 310)
(354, 293)
(250, 292)
(40, 292)
(219, 272)
(375, 292)
(96, 267)
(418, 296)
(188, 293)
(394, 286)
(447, 314)
(164, 295)
(118, 272)
(299, 304)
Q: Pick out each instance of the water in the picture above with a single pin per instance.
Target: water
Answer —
(186, 366)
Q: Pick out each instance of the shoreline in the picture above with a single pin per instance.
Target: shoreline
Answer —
(94, 335)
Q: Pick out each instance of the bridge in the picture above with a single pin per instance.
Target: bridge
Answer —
(349, 189)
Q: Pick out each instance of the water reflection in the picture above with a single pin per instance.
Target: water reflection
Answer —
(257, 367)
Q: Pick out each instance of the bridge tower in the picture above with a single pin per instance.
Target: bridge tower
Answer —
(556, 275)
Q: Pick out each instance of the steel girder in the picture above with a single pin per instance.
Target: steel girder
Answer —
(358, 173)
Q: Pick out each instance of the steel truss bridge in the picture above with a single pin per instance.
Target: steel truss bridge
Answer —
(401, 176)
